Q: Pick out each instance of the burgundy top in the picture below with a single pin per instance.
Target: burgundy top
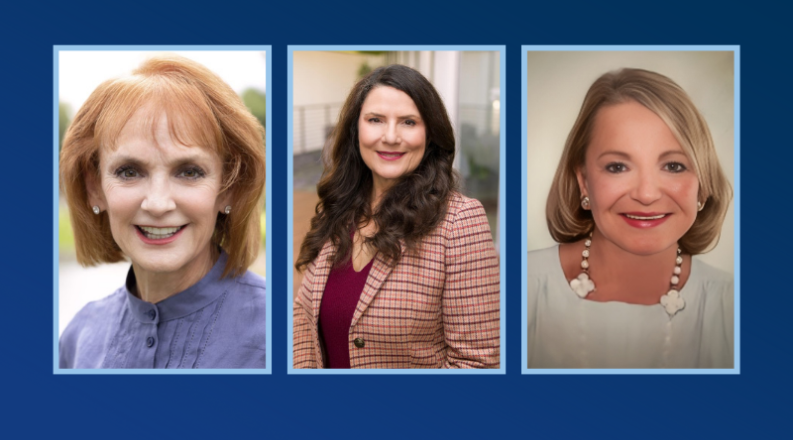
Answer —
(342, 292)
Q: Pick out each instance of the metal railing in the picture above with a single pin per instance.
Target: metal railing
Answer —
(312, 126)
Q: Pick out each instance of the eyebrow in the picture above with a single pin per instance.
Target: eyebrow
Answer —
(627, 156)
(411, 116)
(140, 163)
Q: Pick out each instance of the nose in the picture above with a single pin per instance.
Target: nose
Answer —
(158, 199)
(647, 188)
(391, 134)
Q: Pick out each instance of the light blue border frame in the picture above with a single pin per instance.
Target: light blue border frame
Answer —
(524, 194)
(268, 215)
(501, 203)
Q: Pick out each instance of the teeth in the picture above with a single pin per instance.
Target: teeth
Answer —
(158, 233)
(637, 217)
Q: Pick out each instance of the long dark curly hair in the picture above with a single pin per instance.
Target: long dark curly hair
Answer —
(412, 208)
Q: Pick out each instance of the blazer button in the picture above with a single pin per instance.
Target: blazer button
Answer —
(359, 342)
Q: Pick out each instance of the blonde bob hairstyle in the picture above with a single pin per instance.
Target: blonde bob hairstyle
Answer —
(201, 110)
(569, 222)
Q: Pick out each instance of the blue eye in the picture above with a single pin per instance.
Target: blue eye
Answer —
(616, 167)
(675, 167)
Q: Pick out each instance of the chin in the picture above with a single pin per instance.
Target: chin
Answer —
(646, 247)
(165, 263)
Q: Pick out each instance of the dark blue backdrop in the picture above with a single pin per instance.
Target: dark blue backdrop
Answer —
(37, 402)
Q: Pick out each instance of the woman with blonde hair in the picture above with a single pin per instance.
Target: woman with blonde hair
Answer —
(637, 193)
(165, 167)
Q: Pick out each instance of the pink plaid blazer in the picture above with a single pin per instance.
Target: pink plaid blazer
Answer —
(438, 308)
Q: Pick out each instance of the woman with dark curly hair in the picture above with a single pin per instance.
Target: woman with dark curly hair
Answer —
(400, 268)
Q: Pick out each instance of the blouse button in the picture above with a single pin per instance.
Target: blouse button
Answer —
(152, 314)
(149, 341)
(359, 342)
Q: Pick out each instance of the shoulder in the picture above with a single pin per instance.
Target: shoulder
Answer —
(460, 205)
(711, 279)
(253, 282)
(98, 312)
(542, 261)
(465, 212)
(244, 309)
(250, 290)
(93, 321)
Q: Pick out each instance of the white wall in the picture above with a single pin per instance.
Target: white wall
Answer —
(322, 81)
(556, 85)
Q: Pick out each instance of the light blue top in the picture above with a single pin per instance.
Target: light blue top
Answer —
(566, 331)
(216, 323)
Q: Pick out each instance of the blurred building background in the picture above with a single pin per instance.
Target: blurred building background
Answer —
(468, 82)
(79, 73)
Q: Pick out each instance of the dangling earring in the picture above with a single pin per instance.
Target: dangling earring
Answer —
(700, 206)
(585, 203)
(96, 210)
(227, 210)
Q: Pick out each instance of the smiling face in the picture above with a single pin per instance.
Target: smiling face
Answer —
(641, 185)
(161, 197)
(391, 134)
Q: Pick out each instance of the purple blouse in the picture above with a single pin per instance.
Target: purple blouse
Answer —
(216, 323)
(339, 300)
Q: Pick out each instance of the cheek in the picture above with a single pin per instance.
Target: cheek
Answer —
(367, 135)
(686, 192)
(122, 201)
(201, 204)
(416, 139)
(603, 192)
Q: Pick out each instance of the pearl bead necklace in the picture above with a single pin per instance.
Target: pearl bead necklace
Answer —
(672, 301)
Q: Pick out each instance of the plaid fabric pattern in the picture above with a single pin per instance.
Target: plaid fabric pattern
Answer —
(437, 308)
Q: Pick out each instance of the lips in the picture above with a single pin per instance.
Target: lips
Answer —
(390, 155)
(159, 235)
(645, 219)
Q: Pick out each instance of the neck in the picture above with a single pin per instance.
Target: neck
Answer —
(153, 286)
(379, 187)
(623, 276)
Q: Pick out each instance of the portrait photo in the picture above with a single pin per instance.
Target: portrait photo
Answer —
(161, 210)
(397, 208)
(630, 209)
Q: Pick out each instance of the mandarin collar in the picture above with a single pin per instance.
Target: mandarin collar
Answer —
(194, 298)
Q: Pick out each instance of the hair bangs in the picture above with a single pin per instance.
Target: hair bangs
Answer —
(191, 121)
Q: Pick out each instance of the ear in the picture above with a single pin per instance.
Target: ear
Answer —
(581, 177)
(224, 199)
(93, 186)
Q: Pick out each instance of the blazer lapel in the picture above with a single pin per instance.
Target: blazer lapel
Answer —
(377, 275)
(321, 274)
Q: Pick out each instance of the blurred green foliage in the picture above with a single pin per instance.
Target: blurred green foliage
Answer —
(364, 70)
(263, 227)
(65, 235)
(256, 102)
(64, 119)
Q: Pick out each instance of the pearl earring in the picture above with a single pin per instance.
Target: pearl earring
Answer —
(700, 206)
(585, 203)
(96, 210)
(227, 210)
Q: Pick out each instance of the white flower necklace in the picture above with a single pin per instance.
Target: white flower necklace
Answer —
(672, 301)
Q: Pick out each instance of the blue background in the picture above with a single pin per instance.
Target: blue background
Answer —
(36, 402)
